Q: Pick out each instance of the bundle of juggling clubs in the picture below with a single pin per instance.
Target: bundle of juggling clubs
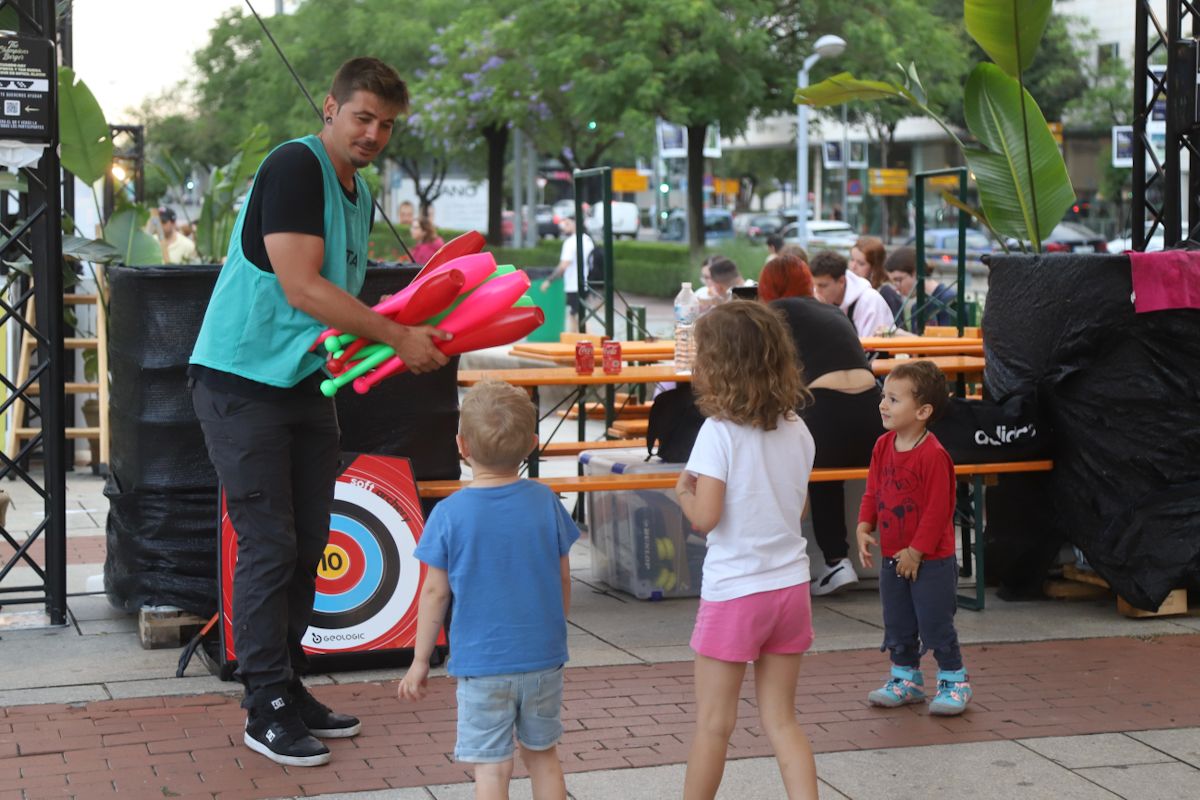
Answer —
(461, 291)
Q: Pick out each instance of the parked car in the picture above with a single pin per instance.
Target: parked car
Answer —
(832, 234)
(1071, 237)
(792, 213)
(563, 209)
(718, 225)
(626, 220)
(759, 226)
(941, 244)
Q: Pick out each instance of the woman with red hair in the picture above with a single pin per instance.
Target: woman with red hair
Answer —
(844, 415)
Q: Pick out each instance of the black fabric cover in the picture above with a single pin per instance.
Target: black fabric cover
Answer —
(162, 489)
(987, 431)
(1121, 392)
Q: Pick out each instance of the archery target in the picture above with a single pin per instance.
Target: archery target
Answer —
(368, 581)
(363, 585)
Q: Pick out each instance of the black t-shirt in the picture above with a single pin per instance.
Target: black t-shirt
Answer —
(288, 197)
(825, 337)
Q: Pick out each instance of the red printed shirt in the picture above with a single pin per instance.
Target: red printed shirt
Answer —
(910, 497)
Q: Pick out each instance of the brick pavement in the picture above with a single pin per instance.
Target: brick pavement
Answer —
(615, 717)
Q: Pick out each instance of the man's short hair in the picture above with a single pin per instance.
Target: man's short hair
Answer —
(902, 259)
(828, 264)
(775, 242)
(928, 382)
(498, 422)
(166, 214)
(369, 74)
(723, 271)
(408, 203)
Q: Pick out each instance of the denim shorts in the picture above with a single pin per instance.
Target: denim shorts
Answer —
(491, 706)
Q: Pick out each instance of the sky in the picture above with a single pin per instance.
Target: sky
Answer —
(128, 50)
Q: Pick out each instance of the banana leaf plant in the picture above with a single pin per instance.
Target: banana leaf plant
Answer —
(1024, 189)
(87, 153)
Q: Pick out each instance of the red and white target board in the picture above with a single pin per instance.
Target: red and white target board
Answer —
(368, 582)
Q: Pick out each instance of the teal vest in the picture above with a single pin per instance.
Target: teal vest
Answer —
(249, 328)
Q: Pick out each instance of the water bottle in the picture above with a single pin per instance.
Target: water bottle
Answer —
(687, 308)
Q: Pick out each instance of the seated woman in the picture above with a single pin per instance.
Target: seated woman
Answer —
(866, 261)
(427, 240)
(844, 415)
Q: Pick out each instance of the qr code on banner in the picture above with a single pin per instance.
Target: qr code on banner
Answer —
(12, 108)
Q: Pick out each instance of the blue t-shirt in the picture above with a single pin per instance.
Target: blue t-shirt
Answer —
(501, 547)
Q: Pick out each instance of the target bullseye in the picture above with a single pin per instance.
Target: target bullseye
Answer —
(342, 565)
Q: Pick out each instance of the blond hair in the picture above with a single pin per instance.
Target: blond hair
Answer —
(747, 370)
(498, 422)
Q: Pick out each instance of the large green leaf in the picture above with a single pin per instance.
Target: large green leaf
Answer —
(1009, 31)
(86, 143)
(1023, 183)
(96, 250)
(136, 247)
(845, 88)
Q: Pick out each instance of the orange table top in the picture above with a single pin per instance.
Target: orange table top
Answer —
(560, 353)
(566, 376)
(951, 365)
(919, 345)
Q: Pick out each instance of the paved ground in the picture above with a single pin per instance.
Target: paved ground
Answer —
(1072, 701)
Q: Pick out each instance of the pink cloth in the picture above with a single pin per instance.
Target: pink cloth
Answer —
(424, 251)
(1165, 280)
(742, 629)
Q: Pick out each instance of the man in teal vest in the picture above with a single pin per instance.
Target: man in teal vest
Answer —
(296, 262)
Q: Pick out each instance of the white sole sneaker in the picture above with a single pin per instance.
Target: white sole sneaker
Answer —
(336, 733)
(289, 761)
(835, 579)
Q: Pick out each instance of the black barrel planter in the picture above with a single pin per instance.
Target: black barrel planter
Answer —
(1121, 393)
(162, 490)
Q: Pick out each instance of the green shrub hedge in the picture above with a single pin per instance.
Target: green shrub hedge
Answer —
(647, 268)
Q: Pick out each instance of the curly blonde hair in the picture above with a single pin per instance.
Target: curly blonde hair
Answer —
(746, 369)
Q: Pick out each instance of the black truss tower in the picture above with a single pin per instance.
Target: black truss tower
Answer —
(35, 233)
(1157, 189)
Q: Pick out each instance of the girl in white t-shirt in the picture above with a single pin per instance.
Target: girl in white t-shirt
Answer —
(744, 488)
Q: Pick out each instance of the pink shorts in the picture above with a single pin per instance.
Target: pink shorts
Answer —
(778, 621)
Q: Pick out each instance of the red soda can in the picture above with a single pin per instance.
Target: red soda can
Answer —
(612, 357)
(585, 357)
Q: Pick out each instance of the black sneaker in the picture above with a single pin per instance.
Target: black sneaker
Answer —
(275, 730)
(319, 719)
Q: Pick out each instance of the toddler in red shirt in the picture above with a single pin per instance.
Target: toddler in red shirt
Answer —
(910, 502)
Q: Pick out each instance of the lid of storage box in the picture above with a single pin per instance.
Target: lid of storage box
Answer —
(627, 461)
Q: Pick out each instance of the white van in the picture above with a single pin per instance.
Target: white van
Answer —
(626, 220)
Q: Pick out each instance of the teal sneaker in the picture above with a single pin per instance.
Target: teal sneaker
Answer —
(906, 686)
(953, 694)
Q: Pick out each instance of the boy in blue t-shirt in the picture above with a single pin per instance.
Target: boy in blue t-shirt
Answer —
(499, 548)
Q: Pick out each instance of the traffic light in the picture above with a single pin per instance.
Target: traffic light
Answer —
(592, 125)
(665, 188)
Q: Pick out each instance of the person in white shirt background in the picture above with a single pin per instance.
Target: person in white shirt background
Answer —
(838, 286)
(568, 270)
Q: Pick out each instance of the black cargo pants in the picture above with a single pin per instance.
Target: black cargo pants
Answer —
(277, 460)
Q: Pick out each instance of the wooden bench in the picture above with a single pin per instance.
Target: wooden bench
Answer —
(972, 541)
(624, 411)
(575, 448)
(629, 428)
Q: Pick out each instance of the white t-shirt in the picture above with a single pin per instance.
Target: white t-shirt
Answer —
(757, 545)
(571, 276)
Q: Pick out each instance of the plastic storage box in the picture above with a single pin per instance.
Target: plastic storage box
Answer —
(641, 541)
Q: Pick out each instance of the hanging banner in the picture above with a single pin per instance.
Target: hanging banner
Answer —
(27, 67)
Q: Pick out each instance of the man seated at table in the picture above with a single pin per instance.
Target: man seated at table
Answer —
(838, 286)
(940, 300)
(724, 275)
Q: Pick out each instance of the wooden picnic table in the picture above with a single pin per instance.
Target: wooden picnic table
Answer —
(953, 366)
(924, 345)
(566, 376)
(564, 353)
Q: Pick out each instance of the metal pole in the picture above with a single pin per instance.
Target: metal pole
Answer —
(802, 153)
(919, 307)
(518, 146)
(845, 167)
(531, 236)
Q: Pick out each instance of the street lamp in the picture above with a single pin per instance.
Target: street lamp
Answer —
(827, 46)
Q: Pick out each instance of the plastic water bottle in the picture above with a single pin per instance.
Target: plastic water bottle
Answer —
(687, 309)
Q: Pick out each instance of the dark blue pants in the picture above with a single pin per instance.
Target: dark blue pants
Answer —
(918, 616)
